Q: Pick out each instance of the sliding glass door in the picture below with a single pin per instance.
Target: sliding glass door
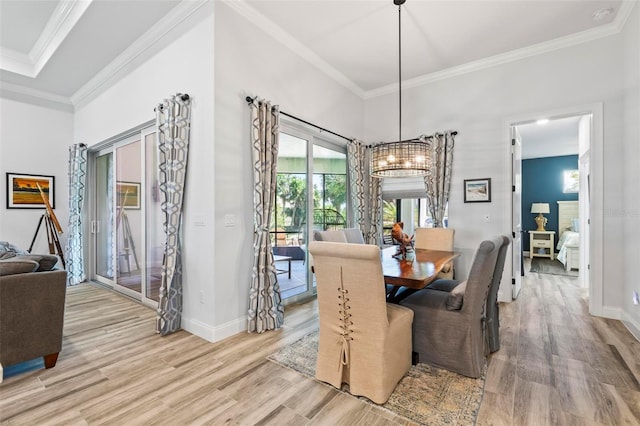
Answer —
(305, 161)
(126, 228)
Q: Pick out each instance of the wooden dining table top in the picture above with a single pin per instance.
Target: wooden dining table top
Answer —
(417, 271)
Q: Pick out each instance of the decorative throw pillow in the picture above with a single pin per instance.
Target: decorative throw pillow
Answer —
(46, 261)
(456, 296)
(6, 247)
(17, 266)
(7, 255)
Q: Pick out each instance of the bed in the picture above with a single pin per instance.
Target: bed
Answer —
(569, 240)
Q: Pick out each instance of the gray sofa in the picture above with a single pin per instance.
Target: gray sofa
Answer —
(32, 301)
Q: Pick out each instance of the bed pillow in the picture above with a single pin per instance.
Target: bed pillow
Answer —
(575, 225)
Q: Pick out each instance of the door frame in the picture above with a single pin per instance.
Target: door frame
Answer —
(594, 275)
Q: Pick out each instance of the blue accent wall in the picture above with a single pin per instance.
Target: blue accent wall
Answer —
(542, 182)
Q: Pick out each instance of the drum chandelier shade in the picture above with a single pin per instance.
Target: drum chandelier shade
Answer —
(402, 158)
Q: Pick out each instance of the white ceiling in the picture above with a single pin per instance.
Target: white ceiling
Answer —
(63, 50)
(556, 137)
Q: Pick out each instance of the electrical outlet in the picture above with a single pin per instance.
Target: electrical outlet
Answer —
(229, 220)
(636, 298)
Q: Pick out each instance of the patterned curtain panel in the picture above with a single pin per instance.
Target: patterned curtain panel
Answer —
(77, 177)
(366, 192)
(438, 182)
(173, 120)
(266, 311)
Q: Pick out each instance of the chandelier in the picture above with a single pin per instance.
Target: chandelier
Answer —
(404, 157)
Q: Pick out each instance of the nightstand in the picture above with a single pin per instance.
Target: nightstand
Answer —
(541, 243)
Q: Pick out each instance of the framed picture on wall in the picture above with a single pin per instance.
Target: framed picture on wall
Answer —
(128, 194)
(477, 190)
(23, 191)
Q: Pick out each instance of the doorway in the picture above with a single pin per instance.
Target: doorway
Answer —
(311, 195)
(554, 173)
(127, 238)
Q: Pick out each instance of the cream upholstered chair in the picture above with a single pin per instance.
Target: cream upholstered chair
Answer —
(364, 341)
(436, 239)
(449, 327)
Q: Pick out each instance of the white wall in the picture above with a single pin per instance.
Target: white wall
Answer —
(185, 65)
(478, 105)
(34, 140)
(630, 216)
(249, 62)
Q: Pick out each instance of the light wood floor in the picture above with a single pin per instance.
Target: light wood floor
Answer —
(557, 365)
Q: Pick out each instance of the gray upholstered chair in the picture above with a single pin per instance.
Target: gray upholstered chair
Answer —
(364, 341)
(436, 239)
(493, 311)
(449, 327)
(354, 235)
(332, 235)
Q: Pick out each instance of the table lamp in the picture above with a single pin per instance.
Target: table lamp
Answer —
(540, 208)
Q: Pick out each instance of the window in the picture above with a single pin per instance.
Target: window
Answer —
(571, 181)
(414, 212)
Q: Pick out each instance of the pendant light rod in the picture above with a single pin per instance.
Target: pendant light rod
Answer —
(399, 3)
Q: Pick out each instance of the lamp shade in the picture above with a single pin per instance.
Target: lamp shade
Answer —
(401, 159)
(540, 208)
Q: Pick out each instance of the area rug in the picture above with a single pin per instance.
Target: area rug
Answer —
(548, 266)
(426, 395)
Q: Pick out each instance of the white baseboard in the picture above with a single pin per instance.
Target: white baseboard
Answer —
(214, 334)
(611, 312)
(632, 325)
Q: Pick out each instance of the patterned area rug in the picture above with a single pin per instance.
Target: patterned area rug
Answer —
(548, 266)
(426, 395)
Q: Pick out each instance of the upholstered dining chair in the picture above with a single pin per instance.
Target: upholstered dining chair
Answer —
(449, 327)
(332, 235)
(364, 341)
(436, 239)
(493, 311)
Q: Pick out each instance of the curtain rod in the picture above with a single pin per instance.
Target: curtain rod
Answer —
(250, 101)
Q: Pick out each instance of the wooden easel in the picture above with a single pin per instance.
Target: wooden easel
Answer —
(128, 245)
(53, 228)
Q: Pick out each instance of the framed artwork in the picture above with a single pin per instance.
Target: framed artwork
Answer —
(128, 194)
(477, 190)
(23, 191)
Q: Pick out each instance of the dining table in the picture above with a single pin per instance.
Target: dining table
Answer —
(417, 270)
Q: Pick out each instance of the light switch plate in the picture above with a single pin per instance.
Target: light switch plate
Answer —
(229, 220)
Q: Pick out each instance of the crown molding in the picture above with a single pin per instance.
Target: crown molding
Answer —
(515, 55)
(35, 96)
(65, 16)
(275, 31)
(16, 62)
(126, 61)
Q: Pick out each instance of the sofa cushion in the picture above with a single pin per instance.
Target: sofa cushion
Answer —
(16, 265)
(456, 296)
(46, 262)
